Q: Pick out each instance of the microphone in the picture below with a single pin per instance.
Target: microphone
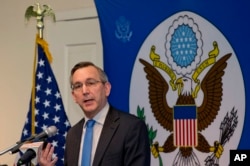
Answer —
(26, 157)
(29, 147)
(49, 132)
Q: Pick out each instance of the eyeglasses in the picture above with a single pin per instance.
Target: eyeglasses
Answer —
(89, 83)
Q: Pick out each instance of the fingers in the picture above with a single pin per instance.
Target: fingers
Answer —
(47, 149)
(45, 156)
(53, 162)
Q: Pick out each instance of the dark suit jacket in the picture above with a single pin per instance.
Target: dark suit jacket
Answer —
(123, 142)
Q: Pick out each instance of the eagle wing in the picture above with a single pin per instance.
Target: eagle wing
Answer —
(212, 88)
(30, 12)
(49, 12)
(158, 89)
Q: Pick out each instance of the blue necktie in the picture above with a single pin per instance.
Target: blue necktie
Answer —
(87, 146)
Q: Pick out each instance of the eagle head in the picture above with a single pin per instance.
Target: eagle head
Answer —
(184, 86)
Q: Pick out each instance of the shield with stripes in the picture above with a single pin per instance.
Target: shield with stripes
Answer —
(185, 126)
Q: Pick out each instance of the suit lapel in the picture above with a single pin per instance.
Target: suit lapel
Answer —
(73, 144)
(110, 125)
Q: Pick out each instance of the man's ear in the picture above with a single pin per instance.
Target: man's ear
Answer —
(73, 96)
(107, 88)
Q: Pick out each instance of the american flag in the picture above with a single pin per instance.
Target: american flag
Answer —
(46, 107)
(185, 126)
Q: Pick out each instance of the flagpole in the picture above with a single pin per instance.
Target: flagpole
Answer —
(39, 12)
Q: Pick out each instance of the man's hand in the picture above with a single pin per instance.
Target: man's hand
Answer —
(45, 156)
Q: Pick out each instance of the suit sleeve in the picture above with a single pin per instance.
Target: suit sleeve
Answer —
(137, 148)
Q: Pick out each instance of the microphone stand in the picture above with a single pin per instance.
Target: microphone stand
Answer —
(15, 148)
(10, 148)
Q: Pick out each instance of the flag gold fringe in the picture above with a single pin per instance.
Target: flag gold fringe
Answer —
(45, 47)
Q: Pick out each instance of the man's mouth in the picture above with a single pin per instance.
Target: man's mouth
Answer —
(88, 100)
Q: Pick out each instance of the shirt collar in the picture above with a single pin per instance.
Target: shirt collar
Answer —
(101, 116)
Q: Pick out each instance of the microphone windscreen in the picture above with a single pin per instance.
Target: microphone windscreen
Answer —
(34, 146)
(26, 157)
(51, 131)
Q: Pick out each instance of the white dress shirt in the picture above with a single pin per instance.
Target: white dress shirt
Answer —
(99, 118)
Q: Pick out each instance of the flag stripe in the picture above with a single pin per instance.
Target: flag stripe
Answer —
(185, 132)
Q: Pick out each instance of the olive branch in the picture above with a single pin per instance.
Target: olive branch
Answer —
(151, 132)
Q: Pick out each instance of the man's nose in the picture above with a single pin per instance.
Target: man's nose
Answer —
(85, 89)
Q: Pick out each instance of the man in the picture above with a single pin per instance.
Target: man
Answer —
(119, 139)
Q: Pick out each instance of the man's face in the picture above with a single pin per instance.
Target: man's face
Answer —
(89, 91)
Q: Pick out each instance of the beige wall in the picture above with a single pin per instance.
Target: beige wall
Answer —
(16, 60)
